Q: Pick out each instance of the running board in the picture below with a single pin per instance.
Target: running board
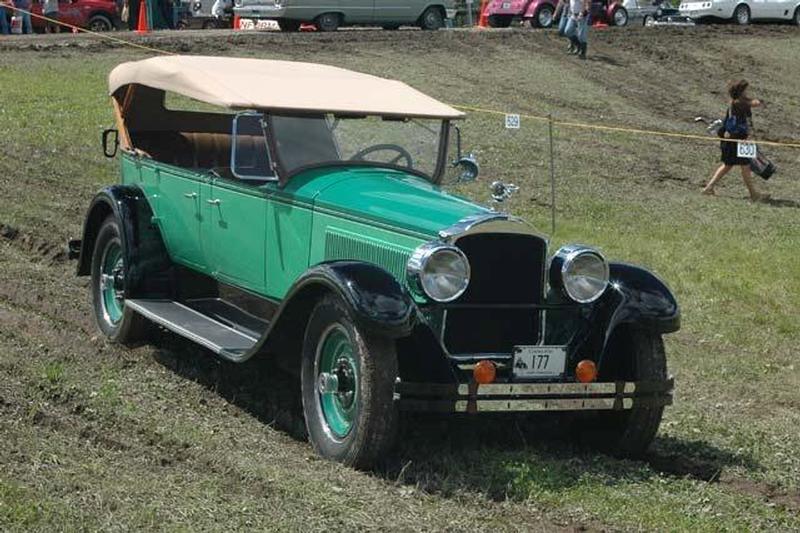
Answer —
(220, 338)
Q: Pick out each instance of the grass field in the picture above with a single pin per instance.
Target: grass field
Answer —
(93, 436)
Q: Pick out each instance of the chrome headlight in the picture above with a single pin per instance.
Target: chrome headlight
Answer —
(439, 271)
(581, 272)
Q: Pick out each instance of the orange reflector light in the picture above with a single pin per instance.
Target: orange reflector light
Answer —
(586, 371)
(484, 372)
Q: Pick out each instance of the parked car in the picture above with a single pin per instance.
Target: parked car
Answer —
(611, 12)
(196, 14)
(655, 13)
(743, 11)
(390, 14)
(310, 228)
(539, 13)
(95, 15)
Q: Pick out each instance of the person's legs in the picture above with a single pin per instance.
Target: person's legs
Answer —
(4, 29)
(562, 22)
(27, 27)
(718, 175)
(747, 177)
(583, 35)
(570, 32)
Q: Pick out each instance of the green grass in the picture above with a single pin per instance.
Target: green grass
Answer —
(102, 438)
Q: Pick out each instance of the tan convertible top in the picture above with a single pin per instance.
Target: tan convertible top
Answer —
(240, 83)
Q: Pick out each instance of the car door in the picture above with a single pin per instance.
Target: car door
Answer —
(235, 208)
(179, 213)
(397, 11)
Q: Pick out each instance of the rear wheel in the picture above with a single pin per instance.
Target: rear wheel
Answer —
(116, 322)
(500, 21)
(742, 15)
(100, 23)
(543, 18)
(432, 19)
(620, 17)
(328, 22)
(289, 25)
(347, 381)
(640, 357)
(649, 21)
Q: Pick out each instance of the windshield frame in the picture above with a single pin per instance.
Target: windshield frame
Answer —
(285, 175)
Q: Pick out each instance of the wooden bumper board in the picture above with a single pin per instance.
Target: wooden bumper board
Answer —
(472, 398)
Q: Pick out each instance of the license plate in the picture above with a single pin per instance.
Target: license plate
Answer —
(539, 361)
(506, 5)
(746, 150)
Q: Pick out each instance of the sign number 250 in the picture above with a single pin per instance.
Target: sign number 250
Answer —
(746, 150)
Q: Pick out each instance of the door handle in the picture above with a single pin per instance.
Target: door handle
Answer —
(215, 201)
(191, 195)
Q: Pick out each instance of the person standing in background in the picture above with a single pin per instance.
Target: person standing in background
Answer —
(737, 125)
(562, 9)
(50, 10)
(577, 29)
(25, 14)
(4, 29)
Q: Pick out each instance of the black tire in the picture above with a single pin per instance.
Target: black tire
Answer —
(99, 23)
(432, 19)
(374, 424)
(328, 22)
(500, 21)
(741, 15)
(640, 357)
(289, 25)
(648, 21)
(131, 327)
(543, 17)
(619, 17)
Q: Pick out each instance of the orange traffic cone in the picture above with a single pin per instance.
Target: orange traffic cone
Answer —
(600, 24)
(142, 26)
(483, 21)
(237, 22)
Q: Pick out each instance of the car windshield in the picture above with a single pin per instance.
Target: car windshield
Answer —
(409, 144)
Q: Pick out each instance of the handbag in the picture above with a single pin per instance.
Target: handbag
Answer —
(762, 166)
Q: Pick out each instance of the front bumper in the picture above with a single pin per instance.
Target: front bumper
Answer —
(526, 397)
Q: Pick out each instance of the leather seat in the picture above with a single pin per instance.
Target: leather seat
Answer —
(195, 150)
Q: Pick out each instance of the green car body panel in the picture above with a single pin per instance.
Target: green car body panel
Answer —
(263, 237)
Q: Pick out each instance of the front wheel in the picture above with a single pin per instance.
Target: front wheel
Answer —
(432, 19)
(638, 356)
(117, 322)
(543, 17)
(100, 23)
(347, 380)
(328, 22)
(742, 15)
(620, 17)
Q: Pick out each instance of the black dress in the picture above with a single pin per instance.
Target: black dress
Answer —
(729, 149)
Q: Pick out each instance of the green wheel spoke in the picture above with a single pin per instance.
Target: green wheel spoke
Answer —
(336, 357)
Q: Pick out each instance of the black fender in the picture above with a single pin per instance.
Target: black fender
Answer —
(379, 304)
(147, 263)
(639, 299)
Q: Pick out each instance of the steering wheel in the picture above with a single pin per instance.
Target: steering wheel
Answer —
(402, 153)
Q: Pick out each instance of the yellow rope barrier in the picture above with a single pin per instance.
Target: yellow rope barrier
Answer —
(620, 129)
(90, 32)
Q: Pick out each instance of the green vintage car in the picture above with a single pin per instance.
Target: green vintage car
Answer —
(296, 213)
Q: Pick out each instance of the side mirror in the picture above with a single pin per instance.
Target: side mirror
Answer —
(467, 163)
(469, 168)
(110, 142)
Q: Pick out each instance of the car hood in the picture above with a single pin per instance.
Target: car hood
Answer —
(389, 197)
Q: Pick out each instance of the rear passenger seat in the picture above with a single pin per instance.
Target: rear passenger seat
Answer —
(194, 150)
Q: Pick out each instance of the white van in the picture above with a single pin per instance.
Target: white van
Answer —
(742, 11)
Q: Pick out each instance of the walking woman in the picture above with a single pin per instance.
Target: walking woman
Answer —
(737, 125)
